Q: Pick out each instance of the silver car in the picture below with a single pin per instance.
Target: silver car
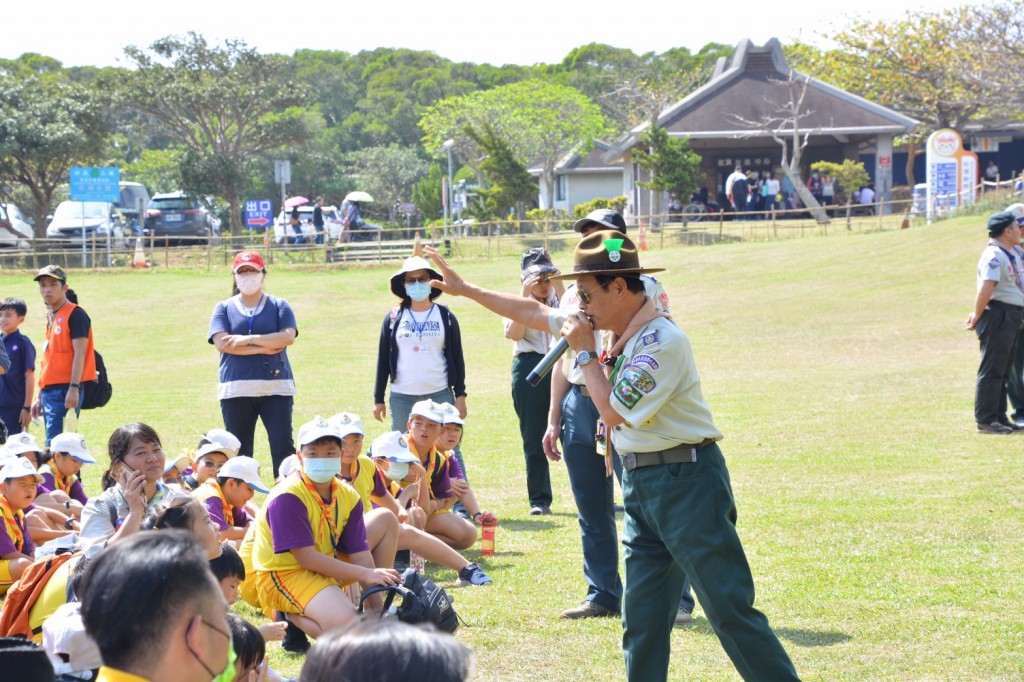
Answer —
(15, 229)
(99, 219)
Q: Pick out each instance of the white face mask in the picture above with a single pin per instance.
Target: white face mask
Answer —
(249, 282)
(397, 470)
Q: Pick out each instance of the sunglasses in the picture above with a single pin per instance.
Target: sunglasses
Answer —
(584, 296)
(419, 280)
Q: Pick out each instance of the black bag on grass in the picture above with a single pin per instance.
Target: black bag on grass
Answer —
(423, 601)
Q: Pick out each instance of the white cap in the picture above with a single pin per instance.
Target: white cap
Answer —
(215, 447)
(16, 468)
(246, 469)
(312, 431)
(181, 462)
(392, 446)
(289, 466)
(72, 444)
(23, 442)
(451, 414)
(428, 409)
(347, 423)
(64, 637)
(224, 438)
(1017, 210)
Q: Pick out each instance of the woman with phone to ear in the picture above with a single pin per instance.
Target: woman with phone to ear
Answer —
(132, 486)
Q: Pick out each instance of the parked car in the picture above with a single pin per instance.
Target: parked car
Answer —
(919, 200)
(283, 232)
(15, 229)
(177, 215)
(133, 203)
(100, 220)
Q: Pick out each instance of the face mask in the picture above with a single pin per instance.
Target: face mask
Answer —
(249, 282)
(321, 470)
(418, 291)
(397, 471)
(228, 675)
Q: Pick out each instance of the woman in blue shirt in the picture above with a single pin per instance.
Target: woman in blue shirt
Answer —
(252, 330)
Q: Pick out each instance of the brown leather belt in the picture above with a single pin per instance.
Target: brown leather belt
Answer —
(676, 455)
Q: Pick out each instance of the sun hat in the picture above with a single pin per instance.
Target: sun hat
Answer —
(225, 438)
(392, 446)
(411, 264)
(604, 217)
(427, 409)
(606, 253)
(250, 258)
(451, 414)
(289, 465)
(55, 271)
(318, 428)
(18, 467)
(536, 262)
(23, 442)
(74, 445)
(245, 469)
(347, 423)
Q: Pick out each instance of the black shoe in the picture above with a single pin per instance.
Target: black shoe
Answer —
(994, 428)
(295, 640)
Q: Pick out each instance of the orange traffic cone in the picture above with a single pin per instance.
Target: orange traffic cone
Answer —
(139, 259)
(417, 247)
(641, 237)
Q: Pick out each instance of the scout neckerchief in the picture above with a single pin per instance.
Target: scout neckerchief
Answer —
(431, 465)
(11, 520)
(1013, 265)
(325, 507)
(61, 481)
(229, 511)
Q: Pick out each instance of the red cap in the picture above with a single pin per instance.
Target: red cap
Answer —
(248, 258)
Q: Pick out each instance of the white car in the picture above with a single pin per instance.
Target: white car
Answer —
(100, 220)
(283, 232)
(15, 230)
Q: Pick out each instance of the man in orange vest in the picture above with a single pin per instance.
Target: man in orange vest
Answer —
(68, 359)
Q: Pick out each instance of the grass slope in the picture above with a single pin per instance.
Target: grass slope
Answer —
(884, 535)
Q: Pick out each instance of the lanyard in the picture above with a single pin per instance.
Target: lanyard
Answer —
(420, 327)
(325, 508)
(11, 519)
(250, 313)
(229, 511)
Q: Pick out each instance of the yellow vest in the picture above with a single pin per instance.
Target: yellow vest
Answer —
(363, 480)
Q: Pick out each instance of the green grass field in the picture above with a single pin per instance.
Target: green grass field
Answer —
(884, 535)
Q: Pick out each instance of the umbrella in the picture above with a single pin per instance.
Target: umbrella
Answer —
(359, 197)
(295, 201)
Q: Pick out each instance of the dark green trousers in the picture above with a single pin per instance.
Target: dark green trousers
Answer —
(681, 521)
(531, 403)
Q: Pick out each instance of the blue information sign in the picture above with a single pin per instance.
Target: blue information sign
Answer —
(95, 184)
(259, 213)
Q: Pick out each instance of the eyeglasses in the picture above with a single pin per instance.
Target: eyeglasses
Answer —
(584, 296)
(419, 280)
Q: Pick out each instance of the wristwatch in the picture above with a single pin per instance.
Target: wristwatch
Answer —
(585, 356)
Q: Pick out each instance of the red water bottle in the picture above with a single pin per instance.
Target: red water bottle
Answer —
(488, 525)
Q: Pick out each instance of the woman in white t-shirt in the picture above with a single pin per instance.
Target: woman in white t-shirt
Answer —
(420, 350)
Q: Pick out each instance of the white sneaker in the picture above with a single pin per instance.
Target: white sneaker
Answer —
(683, 617)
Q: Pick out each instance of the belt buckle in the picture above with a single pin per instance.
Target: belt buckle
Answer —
(628, 461)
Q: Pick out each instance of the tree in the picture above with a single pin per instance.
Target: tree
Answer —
(427, 194)
(224, 105)
(673, 166)
(46, 127)
(850, 175)
(388, 173)
(509, 185)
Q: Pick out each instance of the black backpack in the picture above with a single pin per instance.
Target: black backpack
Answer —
(423, 601)
(99, 391)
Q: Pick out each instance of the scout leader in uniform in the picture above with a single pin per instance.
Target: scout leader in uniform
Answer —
(680, 512)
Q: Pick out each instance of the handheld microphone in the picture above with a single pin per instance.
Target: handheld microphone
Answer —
(547, 362)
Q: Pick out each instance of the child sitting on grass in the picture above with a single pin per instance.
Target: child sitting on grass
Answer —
(310, 539)
(447, 441)
(50, 516)
(225, 496)
(230, 573)
(68, 453)
(18, 481)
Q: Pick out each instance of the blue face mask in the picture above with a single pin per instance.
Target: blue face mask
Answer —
(322, 470)
(418, 291)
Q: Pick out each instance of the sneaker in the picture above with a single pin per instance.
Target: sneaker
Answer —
(540, 510)
(295, 640)
(588, 609)
(473, 575)
(995, 428)
(683, 617)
